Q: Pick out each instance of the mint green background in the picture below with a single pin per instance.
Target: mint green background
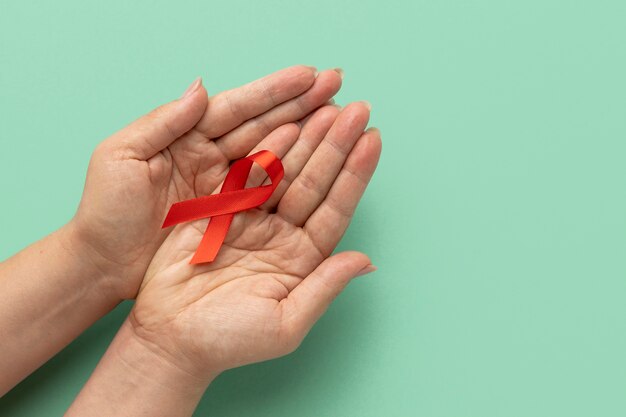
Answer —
(497, 216)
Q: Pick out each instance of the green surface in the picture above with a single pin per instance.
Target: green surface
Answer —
(497, 216)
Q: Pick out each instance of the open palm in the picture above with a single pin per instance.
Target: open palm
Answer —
(274, 276)
(177, 152)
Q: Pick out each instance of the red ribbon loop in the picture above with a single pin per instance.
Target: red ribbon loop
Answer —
(233, 198)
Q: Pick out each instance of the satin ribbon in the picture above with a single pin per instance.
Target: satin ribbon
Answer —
(233, 198)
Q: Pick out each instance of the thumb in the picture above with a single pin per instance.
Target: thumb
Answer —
(313, 295)
(150, 134)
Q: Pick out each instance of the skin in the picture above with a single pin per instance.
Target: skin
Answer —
(256, 293)
(272, 280)
(180, 151)
(53, 290)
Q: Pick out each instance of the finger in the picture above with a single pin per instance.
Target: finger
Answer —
(310, 187)
(308, 301)
(330, 102)
(229, 109)
(329, 222)
(238, 142)
(155, 131)
(313, 131)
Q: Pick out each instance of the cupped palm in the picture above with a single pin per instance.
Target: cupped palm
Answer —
(274, 275)
(181, 150)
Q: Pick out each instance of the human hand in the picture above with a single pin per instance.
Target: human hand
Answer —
(274, 275)
(179, 151)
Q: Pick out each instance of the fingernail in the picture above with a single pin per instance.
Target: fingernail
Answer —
(315, 71)
(366, 270)
(339, 71)
(330, 102)
(372, 129)
(193, 87)
(367, 104)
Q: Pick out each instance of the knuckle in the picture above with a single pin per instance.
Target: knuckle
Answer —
(261, 126)
(268, 93)
(309, 183)
(235, 109)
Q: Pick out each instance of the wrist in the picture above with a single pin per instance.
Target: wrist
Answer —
(149, 361)
(104, 274)
(49, 291)
(133, 378)
(172, 352)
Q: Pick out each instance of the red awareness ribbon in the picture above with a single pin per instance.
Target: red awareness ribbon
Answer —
(233, 198)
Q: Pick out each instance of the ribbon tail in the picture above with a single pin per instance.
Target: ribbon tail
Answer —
(212, 239)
